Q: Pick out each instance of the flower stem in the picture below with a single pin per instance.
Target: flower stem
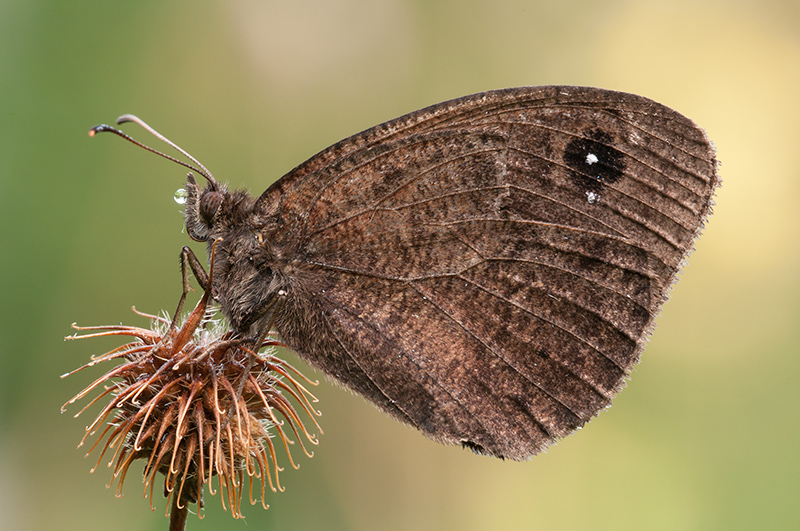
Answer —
(178, 514)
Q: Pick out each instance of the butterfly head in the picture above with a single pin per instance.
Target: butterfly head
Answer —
(204, 208)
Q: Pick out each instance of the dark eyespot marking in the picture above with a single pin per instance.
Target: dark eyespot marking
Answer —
(593, 161)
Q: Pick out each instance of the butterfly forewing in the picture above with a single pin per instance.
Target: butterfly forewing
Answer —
(487, 269)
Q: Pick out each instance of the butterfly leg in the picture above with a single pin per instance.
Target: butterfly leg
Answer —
(189, 258)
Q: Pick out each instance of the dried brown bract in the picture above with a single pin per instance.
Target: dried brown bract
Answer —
(193, 402)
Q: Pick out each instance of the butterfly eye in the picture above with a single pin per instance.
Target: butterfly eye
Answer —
(210, 204)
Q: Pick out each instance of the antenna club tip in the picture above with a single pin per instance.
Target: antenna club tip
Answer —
(98, 129)
(125, 118)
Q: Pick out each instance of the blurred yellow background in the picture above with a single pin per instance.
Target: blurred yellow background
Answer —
(704, 437)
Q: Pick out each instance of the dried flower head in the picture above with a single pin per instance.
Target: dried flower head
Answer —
(194, 402)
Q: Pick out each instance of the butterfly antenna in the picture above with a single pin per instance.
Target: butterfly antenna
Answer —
(200, 169)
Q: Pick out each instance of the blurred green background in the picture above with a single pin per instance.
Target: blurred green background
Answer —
(704, 437)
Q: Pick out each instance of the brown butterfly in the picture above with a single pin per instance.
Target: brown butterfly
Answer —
(486, 269)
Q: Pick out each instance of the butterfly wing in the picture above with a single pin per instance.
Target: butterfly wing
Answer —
(487, 269)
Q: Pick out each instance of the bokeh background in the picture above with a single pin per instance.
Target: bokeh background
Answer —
(704, 437)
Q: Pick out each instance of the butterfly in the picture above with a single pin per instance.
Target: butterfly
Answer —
(486, 270)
